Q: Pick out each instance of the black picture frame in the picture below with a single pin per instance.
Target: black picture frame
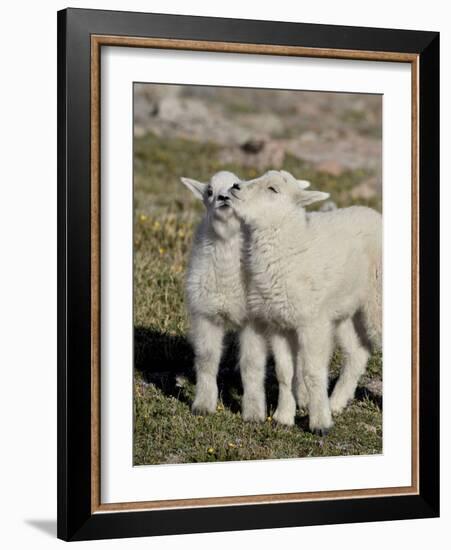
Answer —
(76, 521)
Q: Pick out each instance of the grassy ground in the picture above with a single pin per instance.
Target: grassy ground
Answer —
(165, 430)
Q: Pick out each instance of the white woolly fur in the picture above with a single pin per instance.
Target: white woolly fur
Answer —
(316, 275)
(216, 299)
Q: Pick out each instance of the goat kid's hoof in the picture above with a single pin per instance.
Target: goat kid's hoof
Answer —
(202, 409)
(253, 410)
(337, 405)
(322, 432)
(335, 411)
(284, 418)
(253, 416)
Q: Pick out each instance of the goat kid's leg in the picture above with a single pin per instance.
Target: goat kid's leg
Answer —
(253, 353)
(299, 388)
(207, 340)
(283, 357)
(316, 347)
(356, 358)
(301, 391)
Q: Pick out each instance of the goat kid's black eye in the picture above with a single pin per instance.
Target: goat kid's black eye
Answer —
(209, 192)
(236, 186)
(273, 190)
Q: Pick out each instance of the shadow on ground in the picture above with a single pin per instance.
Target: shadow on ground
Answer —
(166, 361)
(47, 526)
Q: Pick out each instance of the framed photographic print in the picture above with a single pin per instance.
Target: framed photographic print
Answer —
(248, 274)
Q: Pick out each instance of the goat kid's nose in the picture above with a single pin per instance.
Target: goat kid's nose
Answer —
(223, 197)
(236, 186)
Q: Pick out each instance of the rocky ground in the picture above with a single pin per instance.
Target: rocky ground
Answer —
(331, 132)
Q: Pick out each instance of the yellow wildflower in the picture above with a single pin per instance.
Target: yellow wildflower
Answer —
(210, 450)
(143, 217)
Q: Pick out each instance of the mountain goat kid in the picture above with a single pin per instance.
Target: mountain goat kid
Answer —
(319, 274)
(217, 299)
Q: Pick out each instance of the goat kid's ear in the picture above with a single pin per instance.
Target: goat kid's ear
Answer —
(302, 184)
(304, 198)
(196, 187)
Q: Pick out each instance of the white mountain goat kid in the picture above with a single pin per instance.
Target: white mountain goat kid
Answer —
(216, 300)
(318, 274)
